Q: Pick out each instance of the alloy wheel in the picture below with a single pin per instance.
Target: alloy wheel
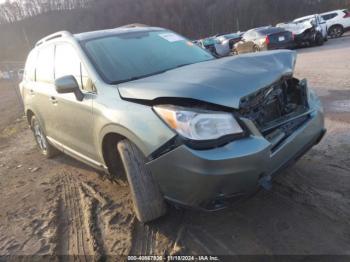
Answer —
(40, 137)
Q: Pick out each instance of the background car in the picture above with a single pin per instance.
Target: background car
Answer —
(225, 43)
(264, 38)
(338, 22)
(318, 22)
(307, 32)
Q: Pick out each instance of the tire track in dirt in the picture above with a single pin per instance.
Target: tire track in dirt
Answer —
(144, 237)
(71, 232)
(161, 237)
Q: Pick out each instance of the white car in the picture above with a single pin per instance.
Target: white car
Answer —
(338, 22)
(318, 22)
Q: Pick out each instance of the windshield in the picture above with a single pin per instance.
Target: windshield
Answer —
(130, 56)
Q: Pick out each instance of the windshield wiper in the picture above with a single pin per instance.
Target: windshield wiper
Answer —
(137, 77)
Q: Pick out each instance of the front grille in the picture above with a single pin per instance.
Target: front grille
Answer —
(279, 106)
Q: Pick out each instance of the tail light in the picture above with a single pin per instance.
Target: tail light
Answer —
(267, 40)
(347, 14)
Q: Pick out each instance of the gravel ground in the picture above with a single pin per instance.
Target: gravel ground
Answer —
(61, 206)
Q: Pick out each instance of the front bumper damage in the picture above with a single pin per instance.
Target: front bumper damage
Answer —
(207, 178)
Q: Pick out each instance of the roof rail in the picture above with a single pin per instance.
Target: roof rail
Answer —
(53, 36)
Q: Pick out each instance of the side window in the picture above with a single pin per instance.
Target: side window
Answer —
(29, 69)
(44, 66)
(329, 16)
(67, 62)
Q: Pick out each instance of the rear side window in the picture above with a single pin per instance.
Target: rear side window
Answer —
(329, 16)
(44, 66)
(29, 69)
(67, 62)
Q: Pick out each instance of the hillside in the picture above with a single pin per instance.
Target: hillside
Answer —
(193, 18)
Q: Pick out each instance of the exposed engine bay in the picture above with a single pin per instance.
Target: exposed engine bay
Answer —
(278, 110)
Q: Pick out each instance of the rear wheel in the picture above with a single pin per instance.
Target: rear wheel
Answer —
(46, 149)
(336, 31)
(148, 201)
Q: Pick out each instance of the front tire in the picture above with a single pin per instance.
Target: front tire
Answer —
(40, 138)
(336, 31)
(148, 201)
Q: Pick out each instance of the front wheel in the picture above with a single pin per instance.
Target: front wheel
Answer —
(46, 149)
(148, 201)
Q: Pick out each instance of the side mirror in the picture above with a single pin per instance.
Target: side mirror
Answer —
(68, 84)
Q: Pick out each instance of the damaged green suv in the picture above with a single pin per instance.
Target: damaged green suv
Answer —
(181, 125)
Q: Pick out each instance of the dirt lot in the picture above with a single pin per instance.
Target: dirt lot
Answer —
(61, 206)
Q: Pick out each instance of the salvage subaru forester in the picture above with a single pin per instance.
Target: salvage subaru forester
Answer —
(181, 125)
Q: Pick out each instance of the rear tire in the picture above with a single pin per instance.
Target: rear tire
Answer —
(45, 147)
(336, 31)
(148, 201)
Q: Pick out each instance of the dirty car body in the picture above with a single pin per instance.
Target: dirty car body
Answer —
(210, 129)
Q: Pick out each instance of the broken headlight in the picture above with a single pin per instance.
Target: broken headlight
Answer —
(199, 124)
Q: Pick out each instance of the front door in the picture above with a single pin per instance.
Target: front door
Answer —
(73, 119)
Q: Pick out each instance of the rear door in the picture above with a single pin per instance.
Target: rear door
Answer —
(43, 89)
(74, 119)
(27, 84)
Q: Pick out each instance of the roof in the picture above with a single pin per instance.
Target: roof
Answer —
(97, 34)
(119, 30)
(334, 11)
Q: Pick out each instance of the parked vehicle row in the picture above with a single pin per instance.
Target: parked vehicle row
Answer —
(311, 30)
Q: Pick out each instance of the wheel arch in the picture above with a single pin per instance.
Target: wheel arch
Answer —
(109, 138)
(335, 25)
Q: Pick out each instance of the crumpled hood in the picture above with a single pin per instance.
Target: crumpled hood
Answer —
(296, 28)
(221, 81)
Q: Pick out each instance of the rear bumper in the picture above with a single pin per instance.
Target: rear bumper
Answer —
(200, 177)
(290, 45)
